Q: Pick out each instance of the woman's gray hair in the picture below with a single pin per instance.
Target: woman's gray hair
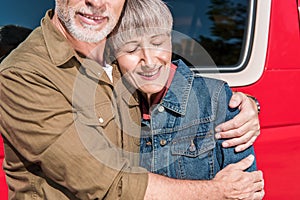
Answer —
(139, 18)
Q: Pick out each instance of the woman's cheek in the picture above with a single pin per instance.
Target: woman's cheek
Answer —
(127, 63)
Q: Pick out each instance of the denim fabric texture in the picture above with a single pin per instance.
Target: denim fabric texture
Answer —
(178, 141)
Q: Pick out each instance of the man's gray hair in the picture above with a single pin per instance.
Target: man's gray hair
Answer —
(139, 18)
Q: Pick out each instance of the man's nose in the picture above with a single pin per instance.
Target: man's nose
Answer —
(96, 3)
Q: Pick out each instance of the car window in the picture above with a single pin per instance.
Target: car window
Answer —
(207, 32)
(26, 13)
(220, 28)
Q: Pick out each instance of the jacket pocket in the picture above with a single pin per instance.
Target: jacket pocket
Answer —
(193, 145)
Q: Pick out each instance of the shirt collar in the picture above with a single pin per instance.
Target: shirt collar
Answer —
(60, 50)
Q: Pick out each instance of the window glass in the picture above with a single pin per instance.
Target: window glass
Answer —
(207, 32)
(26, 13)
(218, 28)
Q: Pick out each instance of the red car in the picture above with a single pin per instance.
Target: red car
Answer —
(255, 46)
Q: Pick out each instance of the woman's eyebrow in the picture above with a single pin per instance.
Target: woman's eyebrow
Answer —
(158, 35)
(131, 42)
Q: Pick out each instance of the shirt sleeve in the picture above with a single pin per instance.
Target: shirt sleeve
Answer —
(38, 121)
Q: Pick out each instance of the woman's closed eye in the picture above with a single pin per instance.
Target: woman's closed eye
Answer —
(129, 48)
(158, 40)
(157, 43)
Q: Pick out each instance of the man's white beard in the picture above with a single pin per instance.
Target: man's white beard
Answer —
(86, 33)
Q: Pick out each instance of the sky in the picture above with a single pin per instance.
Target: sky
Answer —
(27, 13)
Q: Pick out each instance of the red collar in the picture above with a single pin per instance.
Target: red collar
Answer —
(145, 108)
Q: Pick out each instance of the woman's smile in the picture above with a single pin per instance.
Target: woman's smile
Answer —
(150, 75)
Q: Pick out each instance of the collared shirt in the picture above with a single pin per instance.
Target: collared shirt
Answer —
(145, 108)
(61, 127)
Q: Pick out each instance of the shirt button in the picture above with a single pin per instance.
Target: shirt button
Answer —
(161, 109)
(149, 143)
(101, 120)
(163, 142)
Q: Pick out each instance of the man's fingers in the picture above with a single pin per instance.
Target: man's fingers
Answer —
(236, 99)
(247, 114)
(232, 124)
(242, 165)
(242, 147)
(259, 186)
(237, 126)
(257, 176)
(244, 139)
(243, 136)
(237, 132)
(259, 195)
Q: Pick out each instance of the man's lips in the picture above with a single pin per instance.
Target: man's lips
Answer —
(91, 19)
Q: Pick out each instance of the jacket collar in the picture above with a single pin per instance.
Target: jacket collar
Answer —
(177, 96)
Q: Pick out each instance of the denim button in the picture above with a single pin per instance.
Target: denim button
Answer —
(161, 109)
(192, 147)
(149, 143)
(163, 142)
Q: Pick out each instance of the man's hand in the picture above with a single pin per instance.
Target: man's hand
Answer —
(244, 128)
(230, 183)
(234, 183)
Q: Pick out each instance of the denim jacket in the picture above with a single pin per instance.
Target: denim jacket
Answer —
(178, 141)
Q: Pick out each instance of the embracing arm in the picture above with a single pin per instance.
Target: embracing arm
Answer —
(230, 183)
(244, 128)
(38, 121)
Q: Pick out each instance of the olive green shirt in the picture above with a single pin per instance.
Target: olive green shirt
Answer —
(61, 126)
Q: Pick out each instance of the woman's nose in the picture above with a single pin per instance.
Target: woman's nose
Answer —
(147, 56)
